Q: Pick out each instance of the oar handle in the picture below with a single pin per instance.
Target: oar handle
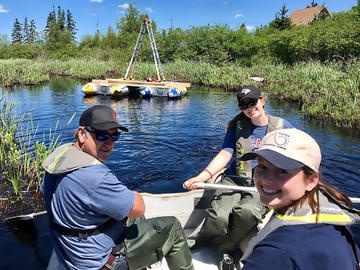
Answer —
(246, 189)
(354, 200)
(219, 186)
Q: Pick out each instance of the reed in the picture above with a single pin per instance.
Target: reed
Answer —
(21, 154)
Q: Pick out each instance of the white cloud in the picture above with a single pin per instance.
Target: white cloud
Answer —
(2, 9)
(250, 28)
(148, 9)
(96, 1)
(238, 15)
(124, 6)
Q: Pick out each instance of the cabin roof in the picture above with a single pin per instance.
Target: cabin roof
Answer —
(306, 15)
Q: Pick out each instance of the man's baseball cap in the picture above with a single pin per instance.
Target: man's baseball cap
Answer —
(288, 149)
(100, 117)
(248, 91)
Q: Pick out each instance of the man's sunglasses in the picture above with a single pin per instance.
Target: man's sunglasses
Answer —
(250, 103)
(103, 136)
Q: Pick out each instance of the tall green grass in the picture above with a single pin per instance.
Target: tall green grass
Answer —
(323, 91)
(21, 154)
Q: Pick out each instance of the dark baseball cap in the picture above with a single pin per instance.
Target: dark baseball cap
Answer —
(248, 91)
(100, 117)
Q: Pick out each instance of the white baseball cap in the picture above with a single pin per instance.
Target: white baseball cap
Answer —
(288, 149)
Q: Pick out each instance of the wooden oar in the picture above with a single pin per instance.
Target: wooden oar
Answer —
(246, 189)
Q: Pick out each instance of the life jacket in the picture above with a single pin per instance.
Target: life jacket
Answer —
(243, 143)
(64, 159)
(331, 212)
(67, 158)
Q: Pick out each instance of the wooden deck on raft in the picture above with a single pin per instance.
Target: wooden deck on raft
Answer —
(142, 83)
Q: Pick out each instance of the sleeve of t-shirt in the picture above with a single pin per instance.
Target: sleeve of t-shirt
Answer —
(110, 197)
(229, 140)
(269, 258)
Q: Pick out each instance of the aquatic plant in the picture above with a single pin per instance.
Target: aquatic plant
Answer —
(21, 153)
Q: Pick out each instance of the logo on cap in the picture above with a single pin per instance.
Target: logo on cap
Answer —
(245, 91)
(281, 139)
(278, 139)
(114, 115)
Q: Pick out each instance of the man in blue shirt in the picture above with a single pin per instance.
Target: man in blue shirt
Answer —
(87, 206)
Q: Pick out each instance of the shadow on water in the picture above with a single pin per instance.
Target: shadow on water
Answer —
(26, 244)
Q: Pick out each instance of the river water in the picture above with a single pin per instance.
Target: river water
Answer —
(169, 141)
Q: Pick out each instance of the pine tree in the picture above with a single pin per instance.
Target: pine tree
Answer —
(32, 32)
(51, 19)
(60, 19)
(314, 4)
(70, 24)
(26, 31)
(281, 21)
(16, 32)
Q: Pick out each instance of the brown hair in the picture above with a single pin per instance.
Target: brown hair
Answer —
(312, 197)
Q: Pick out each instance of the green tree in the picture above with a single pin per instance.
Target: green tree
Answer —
(357, 8)
(58, 40)
(207, 44)
(26, 31)
(129, 27)
(130, 22)
(170, 43)
(16, 35)
(60, 19)
(32, 32)
(51, 19)
(281, 21)
(70, 24)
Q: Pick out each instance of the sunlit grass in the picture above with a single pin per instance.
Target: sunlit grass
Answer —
(323, 91)
(21, 154)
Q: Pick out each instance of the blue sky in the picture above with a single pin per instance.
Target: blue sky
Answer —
(179, 13)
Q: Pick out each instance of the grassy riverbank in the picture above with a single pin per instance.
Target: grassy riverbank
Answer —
(329, 92)
(21, 156)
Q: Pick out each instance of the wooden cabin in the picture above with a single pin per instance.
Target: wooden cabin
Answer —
(309, 14)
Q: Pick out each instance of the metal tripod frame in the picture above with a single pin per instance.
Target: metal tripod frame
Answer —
(146, 26)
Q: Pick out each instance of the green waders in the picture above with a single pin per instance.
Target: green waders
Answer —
(232, 214)
(149, 240)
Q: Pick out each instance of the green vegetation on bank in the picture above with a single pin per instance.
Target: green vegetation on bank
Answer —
(21, 154)
(326, 91)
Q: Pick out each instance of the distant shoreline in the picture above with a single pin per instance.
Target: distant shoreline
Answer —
(328, 92)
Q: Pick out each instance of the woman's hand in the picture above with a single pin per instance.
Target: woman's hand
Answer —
(218, 163)
(200, 178)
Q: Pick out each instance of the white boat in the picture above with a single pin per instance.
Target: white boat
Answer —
(105, 89)
(190, 208)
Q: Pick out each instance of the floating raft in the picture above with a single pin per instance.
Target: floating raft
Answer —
(171, 89)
